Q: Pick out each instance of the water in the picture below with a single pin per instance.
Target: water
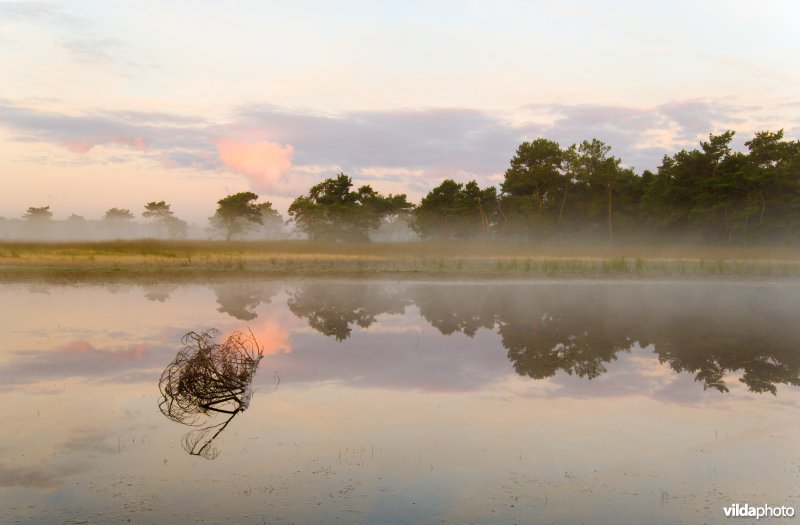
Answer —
(385, 402)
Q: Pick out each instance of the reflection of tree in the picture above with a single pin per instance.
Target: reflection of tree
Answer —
(555, 333)
(710, 331)
(544, 329)
(732, 332)
(332, 308)
(239, 300)
(207, 378)
(158, 292)
(580, 328)
(457, 308)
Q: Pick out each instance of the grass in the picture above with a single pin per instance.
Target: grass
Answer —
(151, 259)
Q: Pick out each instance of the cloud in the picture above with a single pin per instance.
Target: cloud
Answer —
(81, 133)
(32, 12)
(640, 136)
(265, 164)
(429, 138)
(74, 34)
(282, 152)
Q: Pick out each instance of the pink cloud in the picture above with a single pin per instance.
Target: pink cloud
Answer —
(80, 147)
(265, 164)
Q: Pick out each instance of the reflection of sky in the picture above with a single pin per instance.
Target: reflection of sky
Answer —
(397, 423)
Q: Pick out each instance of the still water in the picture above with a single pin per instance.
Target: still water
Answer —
(407, 402)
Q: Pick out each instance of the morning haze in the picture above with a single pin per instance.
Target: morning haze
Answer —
(399, 263)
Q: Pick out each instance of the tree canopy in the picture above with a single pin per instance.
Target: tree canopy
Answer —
(454, 210)
(118, 215)
(237, 214)
(331, 211)
(42, 213)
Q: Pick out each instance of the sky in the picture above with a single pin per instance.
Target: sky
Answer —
(116, 104)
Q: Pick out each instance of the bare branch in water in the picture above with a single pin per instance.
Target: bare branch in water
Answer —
(207, 378)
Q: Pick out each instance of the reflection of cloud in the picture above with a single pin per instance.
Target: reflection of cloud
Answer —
(38, 477)
(79, 359)
(420, 359)
(638, 373)
(88, 440)
(273, 338)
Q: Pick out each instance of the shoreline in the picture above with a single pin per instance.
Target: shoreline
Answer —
(197, 261)
(194, 261)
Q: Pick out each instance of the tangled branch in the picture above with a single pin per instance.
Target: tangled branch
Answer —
(206, 378)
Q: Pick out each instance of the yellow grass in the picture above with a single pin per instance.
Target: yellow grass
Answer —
(198, 259)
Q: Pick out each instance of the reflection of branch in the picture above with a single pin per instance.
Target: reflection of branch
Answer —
(192, 439)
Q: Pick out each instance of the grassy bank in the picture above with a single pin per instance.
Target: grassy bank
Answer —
(178, 260)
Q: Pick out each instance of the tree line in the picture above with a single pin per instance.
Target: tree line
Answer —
(548, 193)
(708, 194)
(37, 222)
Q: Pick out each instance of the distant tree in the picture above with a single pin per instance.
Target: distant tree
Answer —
(176, 228)
(157, 211)
(117, 222)
(38, 214)
(160, 214)
(37, 222)
(165, 220)
(236, 214)
(119, 215)
(76, 227)
(271, 220)
(332, 212)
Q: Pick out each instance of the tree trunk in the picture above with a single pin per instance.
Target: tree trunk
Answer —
(610, 223)
(505, 219)
(563, 203)
(484, 221)
(763, 207)
(727, 225)
(746, 215)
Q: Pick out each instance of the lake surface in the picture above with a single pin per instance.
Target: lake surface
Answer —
(407, 402)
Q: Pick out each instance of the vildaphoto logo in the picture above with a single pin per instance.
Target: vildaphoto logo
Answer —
(764, 511)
